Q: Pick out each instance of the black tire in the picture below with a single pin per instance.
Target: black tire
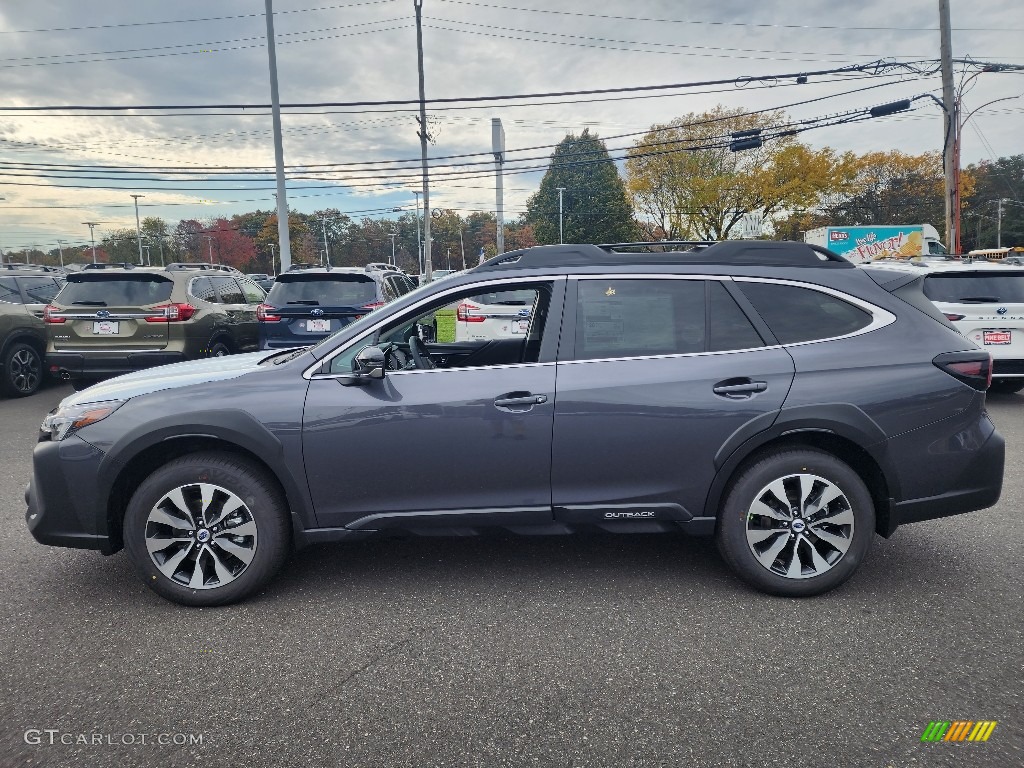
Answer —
(1006, 386)
(218, 348)
(264, 508)
(22, 370)
(809, 575)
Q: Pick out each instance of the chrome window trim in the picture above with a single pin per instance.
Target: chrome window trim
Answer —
(310, 372)
(321, 376)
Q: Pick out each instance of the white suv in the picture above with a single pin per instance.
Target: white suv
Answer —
(984, 300)
(495, 315)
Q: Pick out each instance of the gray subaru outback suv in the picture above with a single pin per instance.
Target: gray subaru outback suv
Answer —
(768, 394)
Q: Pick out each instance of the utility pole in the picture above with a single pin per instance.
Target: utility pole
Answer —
(209, 239)
(462, 246)
(138, 230)
(999, 224)
(92, 236)
(560, 191)
(427, 268)
(275, 100)
(60, 247)
(498, 148)
(393, 235)
(950, 106)
(419, 243)
(323, 223)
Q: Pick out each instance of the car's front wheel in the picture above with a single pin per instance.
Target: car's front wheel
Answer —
(207, 529)
(23, 370)
(797, 522)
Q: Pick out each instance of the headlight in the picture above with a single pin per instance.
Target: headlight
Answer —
(64, 420)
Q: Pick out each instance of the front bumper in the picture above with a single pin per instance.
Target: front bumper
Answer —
(61, 496)
(75, 365)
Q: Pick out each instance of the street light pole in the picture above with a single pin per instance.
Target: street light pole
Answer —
(560, 191)
(323, 223)
(209, 239)
(273, 267)
(148, 261)
(427, 268)
(138, 229)
(999, 224)
(92, 236)
(60, 248)
(393, 235)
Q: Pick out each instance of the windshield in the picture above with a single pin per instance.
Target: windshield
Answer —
(328, 290)
(967, 287)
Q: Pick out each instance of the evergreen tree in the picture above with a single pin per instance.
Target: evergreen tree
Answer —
(595, 206)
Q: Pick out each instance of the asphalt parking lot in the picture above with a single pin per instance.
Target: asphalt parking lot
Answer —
(598, 651)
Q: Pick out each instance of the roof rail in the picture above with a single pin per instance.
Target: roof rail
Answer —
(726, 252)
(298, 267)
(32, 267)
(380, 266)
(110, 265)
(202, 265)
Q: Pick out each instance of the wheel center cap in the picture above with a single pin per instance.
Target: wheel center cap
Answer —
(798, 526)
(202, 535)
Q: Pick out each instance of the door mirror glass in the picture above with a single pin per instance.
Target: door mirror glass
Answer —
(368, 365)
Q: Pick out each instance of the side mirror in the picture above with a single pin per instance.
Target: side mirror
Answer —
(368, 366)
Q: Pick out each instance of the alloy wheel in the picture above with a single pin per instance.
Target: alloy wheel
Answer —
(25, 370)
(800, 526)
(201, 536)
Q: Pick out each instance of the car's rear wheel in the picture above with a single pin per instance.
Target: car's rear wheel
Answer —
(1006, 386)
(23, 370)
(796, 523)
(207, 529)
(219, 348)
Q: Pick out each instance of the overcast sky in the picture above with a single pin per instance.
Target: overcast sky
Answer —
(196, 52)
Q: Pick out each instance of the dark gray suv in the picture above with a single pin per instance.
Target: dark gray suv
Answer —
(768, 394)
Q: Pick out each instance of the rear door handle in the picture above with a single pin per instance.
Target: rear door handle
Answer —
(514, 399)
(739, 388)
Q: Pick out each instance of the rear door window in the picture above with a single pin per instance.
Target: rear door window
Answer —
(338, 290)
(796, 314)
(253, 293)
(729, 328)
(634, 318)
(203, 290)
(9, 290)
(119, 291)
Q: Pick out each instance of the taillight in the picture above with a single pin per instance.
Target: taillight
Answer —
(48, 316)
(373, 305)
(972, 368)
(953, 316)
(264, 313)
(173, 313)
(464, 313)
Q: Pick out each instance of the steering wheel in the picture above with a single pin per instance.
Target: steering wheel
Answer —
(420, 354)
(395, 359)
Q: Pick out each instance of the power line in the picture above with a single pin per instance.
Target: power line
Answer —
(724, 23)
(190, 21)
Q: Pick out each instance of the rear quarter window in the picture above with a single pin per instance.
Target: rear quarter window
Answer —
(796, 314)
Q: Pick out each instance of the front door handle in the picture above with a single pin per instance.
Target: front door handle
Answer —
(737, 388)
(519, 399)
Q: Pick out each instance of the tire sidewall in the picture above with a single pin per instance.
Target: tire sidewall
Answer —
(265, 505)
(731, 535)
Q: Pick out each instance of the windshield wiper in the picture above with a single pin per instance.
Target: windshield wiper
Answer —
(978, 299)
(90, 303)
(307, 302)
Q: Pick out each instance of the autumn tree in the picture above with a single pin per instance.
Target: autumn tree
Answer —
(981, 224)
(595, 206)
(687, 183)
(121, 245)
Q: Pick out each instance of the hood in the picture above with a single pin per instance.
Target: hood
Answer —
(169, 377)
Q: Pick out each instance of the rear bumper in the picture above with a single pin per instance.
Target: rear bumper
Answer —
(77, 365)
(977, 487)
(59, 496)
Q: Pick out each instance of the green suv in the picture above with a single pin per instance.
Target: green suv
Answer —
(24, 290)
(114, 319)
